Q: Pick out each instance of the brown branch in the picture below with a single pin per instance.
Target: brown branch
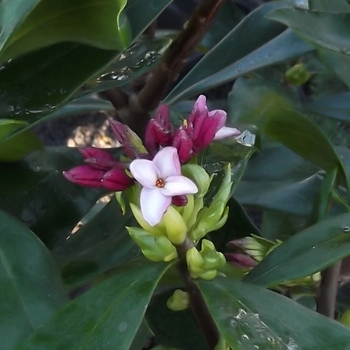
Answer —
(327, 292)
(174, 58)
(197, 302)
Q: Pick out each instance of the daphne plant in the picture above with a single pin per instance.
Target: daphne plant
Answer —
(165, 194)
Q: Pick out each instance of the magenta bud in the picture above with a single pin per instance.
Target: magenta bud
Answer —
(240, 243)
(162, 117)
(241, 260)
(179, 201)
(157, 136)
(84, 175)
(183, 143)
(116, 180)
(98, 159)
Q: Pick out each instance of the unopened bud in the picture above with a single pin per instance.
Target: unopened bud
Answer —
(175, 226)
(199, 176)
(178, 301)
(153, 248)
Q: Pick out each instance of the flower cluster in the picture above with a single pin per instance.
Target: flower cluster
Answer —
(196, 132)
(165, 194)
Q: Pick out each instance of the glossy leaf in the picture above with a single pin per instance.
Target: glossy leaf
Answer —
(35, 191)
(35, 84)
(251, 33)
(329, 6)
(13, 149)
(107, 317)
(266, 187)
(141, 14)
(101, 244)
(321, 29)
(305, 138)
(88, 22)
(30, 290)
(337, 63)
(308, 252)
(175, 329)
(12, 13)
(138, 59)
(250, 316)
(334, 106)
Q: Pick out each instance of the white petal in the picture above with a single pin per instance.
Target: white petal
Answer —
(225, 132)
(145, 172)
(167, 162)
(179, 185)
(153, 204)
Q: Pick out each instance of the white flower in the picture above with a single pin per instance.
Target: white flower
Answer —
(161, 179)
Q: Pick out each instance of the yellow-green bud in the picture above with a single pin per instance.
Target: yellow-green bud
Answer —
(195, 262)
(153, 248)
(157, 230)
(297, 75)
(187, 210)
(199, 176)
(179, 301)
(213, 259)
(175, 226)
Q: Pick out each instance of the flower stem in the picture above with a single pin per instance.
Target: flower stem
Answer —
(197, 303)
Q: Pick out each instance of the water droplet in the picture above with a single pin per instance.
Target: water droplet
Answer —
(244, 337)
(346, 229)
(123, 327)
(246, 138)
(301, 4)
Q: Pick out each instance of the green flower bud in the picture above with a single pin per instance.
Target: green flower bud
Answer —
(197, 206)
(154, 248)
(297, 75)
(213, 259)
(179, 301)
(207, 275)
(215, 216)
(175, 226)
(199, 176)
(195, 262)
(187, 210)
(157, 230)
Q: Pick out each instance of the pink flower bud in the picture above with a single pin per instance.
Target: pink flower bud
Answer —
(179, 201)
(98, 158)
(116, 180)
(241, 260)
(84, 175)
(183, 143)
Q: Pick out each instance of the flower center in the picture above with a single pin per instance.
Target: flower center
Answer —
(160, 183)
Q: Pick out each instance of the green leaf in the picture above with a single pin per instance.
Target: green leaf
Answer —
(329, 6)
(174, 329)
(321, 29)
(306, 253)
(12, 13)
(249, 317)
(30, 290)
(337, 63)
(106, 317)
(266, 187)
(334, 106)
(14, 148)
(37, 83)
(88, 22)
(237, 44)
(101, 244)
(35, 191)
(142, 13)
(305, 138)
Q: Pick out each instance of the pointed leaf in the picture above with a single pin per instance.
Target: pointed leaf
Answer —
(35, 191)
(30, 290)
(65, 21)
(306, 253)
(251, 33)
(251, 317)
(107, 317)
